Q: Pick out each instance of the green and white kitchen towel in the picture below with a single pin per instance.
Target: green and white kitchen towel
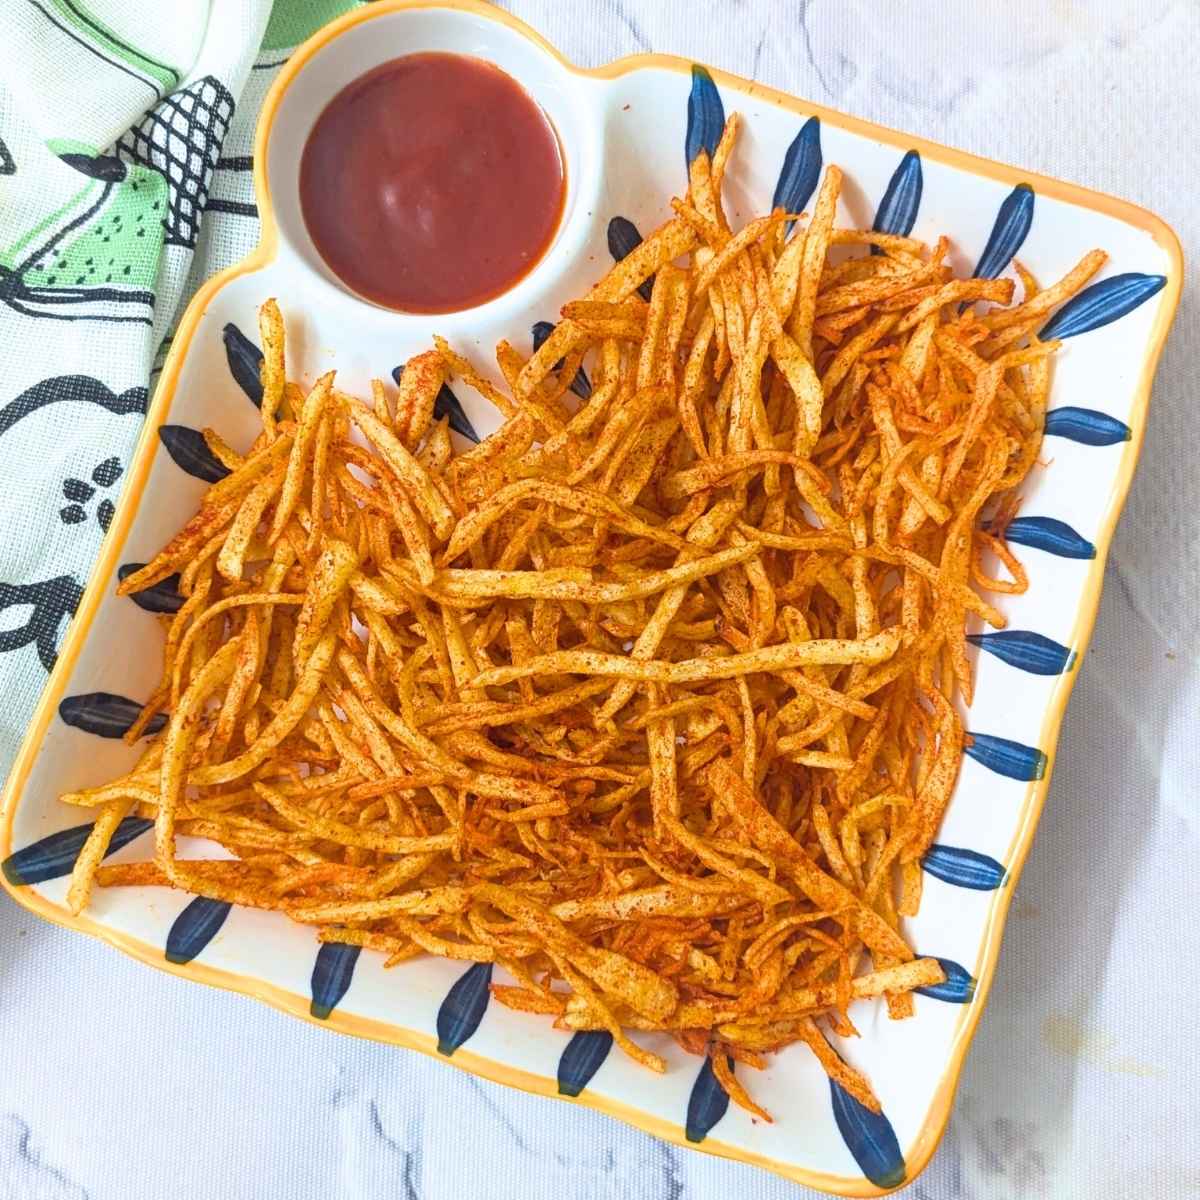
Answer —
(126, 129)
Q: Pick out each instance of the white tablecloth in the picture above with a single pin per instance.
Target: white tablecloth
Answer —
(120, 1083)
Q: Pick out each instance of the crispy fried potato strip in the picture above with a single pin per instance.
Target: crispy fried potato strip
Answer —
(653, 698)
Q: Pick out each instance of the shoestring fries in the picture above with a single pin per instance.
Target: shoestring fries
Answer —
(651, 699)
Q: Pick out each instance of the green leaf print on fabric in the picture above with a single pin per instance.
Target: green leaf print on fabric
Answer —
(292, 23)
(74, 18)
(96, 256)
(119, 244)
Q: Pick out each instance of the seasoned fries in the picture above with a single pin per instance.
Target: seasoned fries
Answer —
(652, 699)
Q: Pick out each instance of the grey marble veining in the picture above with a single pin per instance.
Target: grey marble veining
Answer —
(27, 1174)
(118, 1083)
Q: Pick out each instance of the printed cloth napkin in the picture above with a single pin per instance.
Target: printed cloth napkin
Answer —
(125, 160)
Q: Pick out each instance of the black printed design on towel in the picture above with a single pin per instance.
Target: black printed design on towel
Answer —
(104, 475)
(51, 600)
(181, 137)
(78, 389)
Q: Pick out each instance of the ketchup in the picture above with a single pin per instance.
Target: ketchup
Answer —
(432, 183)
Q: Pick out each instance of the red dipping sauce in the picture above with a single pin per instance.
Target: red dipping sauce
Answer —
(432, 183)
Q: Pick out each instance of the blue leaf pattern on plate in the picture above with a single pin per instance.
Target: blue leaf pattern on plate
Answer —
(869, 1137)
(706, 115)
(1051, 535)
(801, 169)
(446, 404)
(161, 597)
(1032, 652)
(105, 714)
(707, 1104)
(897, 211)
(331, 976)
(1101, 304)
(964, 868)
(463, 1007)
(195, 927)
(623, 240)
(580, 385)
(1086, 425)
(1009, 232)
(54, 856)
(1006, 757)
(957, 988)
(245, 362)
(583, 1057)
(191, 453)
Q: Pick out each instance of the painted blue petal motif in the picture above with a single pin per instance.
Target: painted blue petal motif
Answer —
(54, 856)
(1051, 535)
(161, 597)
(105, 714)
(195, 927)
(623, 237)
(801, 169)
(463, 1007)
(706, 115)
(964, 868)
(1086, 425)
(245, 362)
(1006, 757)
(1101, 304)
(623, 240)
(190, 452)
(583, 1057)
(331, 976)
(1026, 650)
(897, 211)
(446, 404)
(1011, 228)
(869, 1137)
(581, 385)
(706, 1104)
(957, 988)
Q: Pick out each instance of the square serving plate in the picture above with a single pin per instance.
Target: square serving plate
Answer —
(622, 129)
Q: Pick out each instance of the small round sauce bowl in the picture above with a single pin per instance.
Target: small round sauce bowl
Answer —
(362, 47)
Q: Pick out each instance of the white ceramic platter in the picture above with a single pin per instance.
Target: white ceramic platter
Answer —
(623, 130)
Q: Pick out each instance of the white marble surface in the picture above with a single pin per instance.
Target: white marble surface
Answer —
(120, 1083)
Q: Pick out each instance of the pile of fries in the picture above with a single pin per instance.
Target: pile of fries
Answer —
(650, 699)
